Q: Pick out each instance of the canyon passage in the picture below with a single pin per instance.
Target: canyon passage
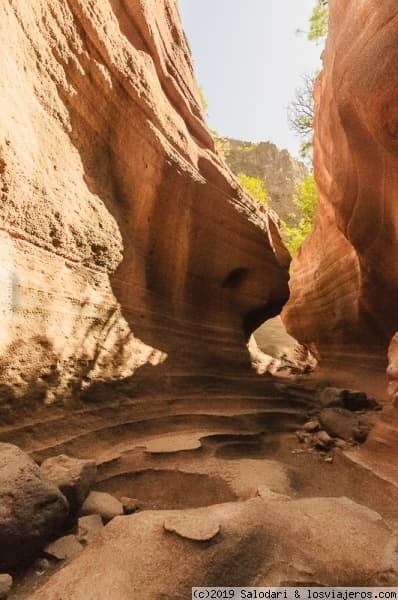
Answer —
(180, 404)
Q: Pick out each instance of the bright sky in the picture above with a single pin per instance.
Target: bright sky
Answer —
(248, 59)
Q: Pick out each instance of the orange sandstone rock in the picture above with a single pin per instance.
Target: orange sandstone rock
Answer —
(392, 370)
(125, 240)
(345, 278)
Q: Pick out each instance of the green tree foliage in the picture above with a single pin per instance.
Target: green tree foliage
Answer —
(255, 186)
(299, 226)
(301, 109)
(319, 22)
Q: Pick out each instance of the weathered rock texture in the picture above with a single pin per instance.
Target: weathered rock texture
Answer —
(124, 240)
(32, 509)
(155, 556)
(278, 170)
(73, 477)
(345, 278)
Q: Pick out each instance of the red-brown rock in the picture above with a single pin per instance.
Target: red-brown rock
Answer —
(345, 282)
(392, 370)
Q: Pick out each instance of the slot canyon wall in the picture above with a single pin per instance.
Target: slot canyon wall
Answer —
(345, 278)
(125, 241)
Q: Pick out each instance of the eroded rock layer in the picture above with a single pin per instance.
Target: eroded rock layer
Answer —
(345, 282)
(279, 171)
(240, 544)
(125, 241)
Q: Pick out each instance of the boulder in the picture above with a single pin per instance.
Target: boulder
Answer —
(103, 504)
(326, 541)
(73, 476)
(344, 424)
(32, 509)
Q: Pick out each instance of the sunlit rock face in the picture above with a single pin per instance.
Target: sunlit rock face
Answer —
(125, 241)
(279, 171)
(345, 278)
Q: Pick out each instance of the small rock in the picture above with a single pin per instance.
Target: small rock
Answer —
(103, 504)
(342, 423)
(195, 528)
(89, 527)
(65, 547)
(5, 585)
(130, 505)
(361, 433)
(328, 459)
(41, 565)
(322, 440)
(311, 426)
(302, 437)
(73, 476)
(340, 444)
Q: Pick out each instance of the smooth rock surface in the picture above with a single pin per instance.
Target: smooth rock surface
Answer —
(326, 540)
(127, 246)
(32, 509)
(73, 476)
(345, 277)
(64, 547)
(192, 527)
(103, 504)
(89, 527)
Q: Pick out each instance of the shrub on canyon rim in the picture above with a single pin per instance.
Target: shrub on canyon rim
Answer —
(255, 186)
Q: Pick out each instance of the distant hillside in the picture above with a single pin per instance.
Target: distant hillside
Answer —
(280, 172)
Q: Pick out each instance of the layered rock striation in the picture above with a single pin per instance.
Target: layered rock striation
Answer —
(345, 277)
(125, 241)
